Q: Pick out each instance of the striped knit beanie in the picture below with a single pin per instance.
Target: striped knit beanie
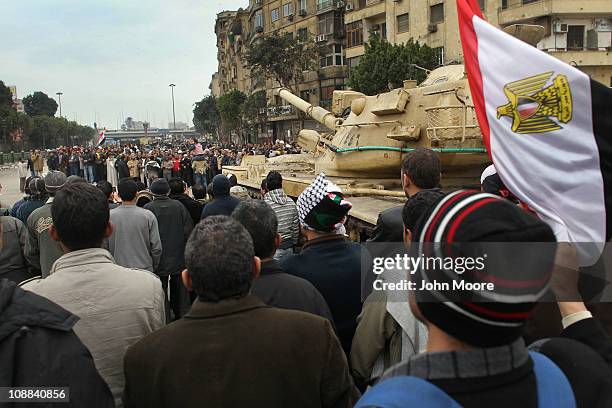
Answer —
(321, 206)
(470, 223)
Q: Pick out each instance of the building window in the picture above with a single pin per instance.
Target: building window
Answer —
(481, 4)
(354, 34)
(274, 15)
(305, 95)
(259, 19)
(333, 58)
(380, 30)
(353, 62)
(287, 9)
(436, 13)
(302, 34)
(403, 23)
(326, 23)
(504, 4)
(327, 95)
(575, 37)
(529, 1)
(303, 5)
(439, 51)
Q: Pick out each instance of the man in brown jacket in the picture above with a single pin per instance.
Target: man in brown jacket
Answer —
(232, 350)
(37, 162)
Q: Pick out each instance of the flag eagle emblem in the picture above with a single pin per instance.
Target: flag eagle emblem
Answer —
(531, 105)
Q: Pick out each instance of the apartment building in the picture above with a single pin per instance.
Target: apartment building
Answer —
(321, 21)
(578, 32)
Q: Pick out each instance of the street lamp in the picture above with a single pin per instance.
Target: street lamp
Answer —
(173, 115)
(59, 96)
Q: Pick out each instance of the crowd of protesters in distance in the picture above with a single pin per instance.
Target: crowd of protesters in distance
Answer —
(192, 161)
(232, 300)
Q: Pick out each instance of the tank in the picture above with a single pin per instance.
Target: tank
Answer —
(368, 135)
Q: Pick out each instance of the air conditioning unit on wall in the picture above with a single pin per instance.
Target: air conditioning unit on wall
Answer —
(432, 28)
(349, 6)
(559, 28)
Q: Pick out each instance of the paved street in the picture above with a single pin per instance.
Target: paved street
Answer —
(10, 186)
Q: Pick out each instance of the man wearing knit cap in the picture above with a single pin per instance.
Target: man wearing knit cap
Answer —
(41, 250)
(222, 202)
(328, 260)
(175, 225)
(475, 355)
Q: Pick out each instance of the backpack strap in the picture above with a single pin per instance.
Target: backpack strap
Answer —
(404, 391)
(554, 390)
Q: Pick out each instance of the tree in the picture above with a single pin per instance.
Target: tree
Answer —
(282, 58)
(39, 103)
(384, 64)
(254, 110)
(6, 97)
(206, 117)
(230, 110)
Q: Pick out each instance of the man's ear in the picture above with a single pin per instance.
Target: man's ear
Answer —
(256, 267)
(277, 240)
(406, 181)
(187, 280)
(53, 233)
(407, 236)
(109, 230)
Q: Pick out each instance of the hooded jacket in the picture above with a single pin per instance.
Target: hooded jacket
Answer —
(39, 348)
(287, 215)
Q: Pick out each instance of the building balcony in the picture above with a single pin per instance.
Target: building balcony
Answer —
(323, 6)
(522, 10)
(281, 112)
(583, 58)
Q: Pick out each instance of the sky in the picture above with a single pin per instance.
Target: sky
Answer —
(112, 58)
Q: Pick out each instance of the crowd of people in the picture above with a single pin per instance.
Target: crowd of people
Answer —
(204, 296)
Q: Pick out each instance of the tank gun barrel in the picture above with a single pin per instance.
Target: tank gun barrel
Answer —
(318, 113)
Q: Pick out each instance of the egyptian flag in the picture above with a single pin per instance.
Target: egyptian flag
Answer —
(102, 137)
(548, 129)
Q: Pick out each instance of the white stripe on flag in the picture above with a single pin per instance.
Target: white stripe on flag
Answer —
(556, 173)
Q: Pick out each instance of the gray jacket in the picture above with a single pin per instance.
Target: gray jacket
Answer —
(41, 250)
(135, 241)
(287, 215)
(117, 306)
(12, 242)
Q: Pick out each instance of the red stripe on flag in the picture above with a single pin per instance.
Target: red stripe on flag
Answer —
(467, 9)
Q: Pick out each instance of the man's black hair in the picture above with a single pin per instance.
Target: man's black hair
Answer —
(219, 257)
(264, 184)
(177, 185)
(233, 181)
(417, 205)
(80, 215)
(127, 189)
(141, 186)
(105, 187)
(261, 222)
(274, 180)
(423, 167)
(199, 192)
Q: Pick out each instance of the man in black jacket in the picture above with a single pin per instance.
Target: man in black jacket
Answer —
(178, 192)
(274, 286)
(123, 170)
(38, 348)
(175, 225)
(222, 202)
(328, 260)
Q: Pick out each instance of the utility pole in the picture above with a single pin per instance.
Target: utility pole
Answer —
(59, 96)
(173, 114)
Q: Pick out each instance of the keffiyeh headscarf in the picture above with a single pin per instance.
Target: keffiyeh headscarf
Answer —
(322, 207)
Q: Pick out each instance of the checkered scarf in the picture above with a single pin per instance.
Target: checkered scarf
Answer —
(321, 206)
